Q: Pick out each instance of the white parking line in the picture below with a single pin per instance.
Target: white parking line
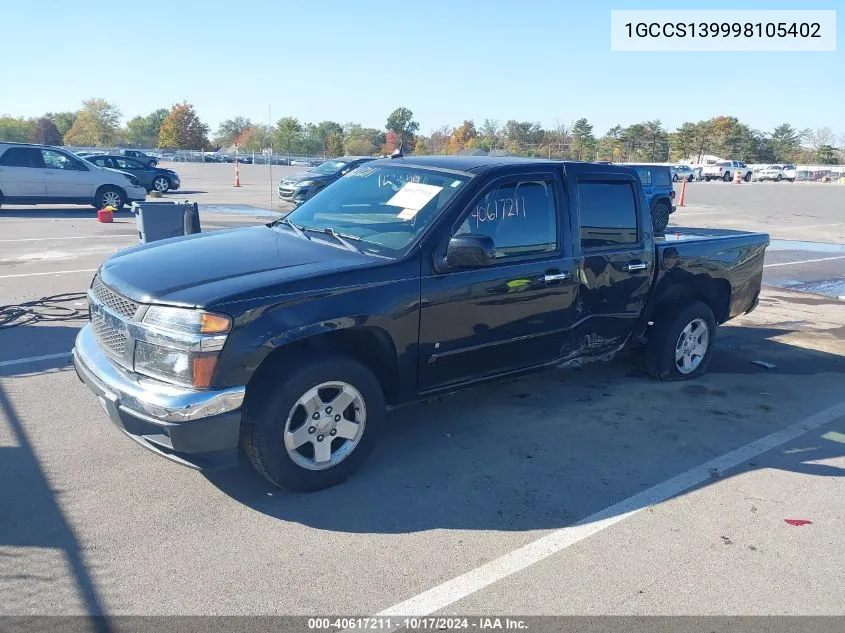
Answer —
(466, 584)
(55, 272)
(74, 237)
(804, 261)
(32, 359)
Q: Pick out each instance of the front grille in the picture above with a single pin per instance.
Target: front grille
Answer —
(110, 339)
(113, 301)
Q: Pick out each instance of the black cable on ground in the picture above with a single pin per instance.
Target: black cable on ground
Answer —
(54, 308)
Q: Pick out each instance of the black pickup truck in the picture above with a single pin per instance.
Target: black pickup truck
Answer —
(405, 278)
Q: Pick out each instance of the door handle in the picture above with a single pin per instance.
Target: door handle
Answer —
(634, 267)
(552, 277)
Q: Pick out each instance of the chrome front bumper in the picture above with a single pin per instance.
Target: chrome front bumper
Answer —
(200, 429)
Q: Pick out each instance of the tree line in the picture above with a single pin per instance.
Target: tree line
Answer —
(97, 124)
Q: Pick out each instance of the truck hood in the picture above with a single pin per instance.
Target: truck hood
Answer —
(208, 268)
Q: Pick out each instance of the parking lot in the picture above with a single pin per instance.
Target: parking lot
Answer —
(588, 491)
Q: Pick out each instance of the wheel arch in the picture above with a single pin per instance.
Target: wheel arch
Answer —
(368, 344)
(109, 185)
(713, 292)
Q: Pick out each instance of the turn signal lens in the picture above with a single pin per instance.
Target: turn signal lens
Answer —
(203, 371)
(214, 323)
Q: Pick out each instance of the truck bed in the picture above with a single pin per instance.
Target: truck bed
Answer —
(698, 256)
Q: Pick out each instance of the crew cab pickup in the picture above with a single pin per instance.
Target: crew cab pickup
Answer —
(725, 170)
(405, 278)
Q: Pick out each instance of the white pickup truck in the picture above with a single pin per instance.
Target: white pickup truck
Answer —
(725, 170)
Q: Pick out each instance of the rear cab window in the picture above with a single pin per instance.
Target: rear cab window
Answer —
(645, 175)
(607, 213)
(662, 178)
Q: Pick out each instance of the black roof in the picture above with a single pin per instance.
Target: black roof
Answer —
(475, 164)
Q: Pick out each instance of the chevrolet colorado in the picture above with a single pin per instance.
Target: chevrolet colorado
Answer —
(405, 278)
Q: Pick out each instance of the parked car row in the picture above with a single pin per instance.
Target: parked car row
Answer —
(150, 178)
(774, 173)
(41, 174)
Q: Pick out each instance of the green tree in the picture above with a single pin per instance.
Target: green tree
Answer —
(289, 135)
(63, 120)
(401, 122)
(183, 129)
(45, 132)
(15, 129)
(96, 125)
(143, 131)
(334, 144)
(826, 155)
(230, 129)
(583, 141)
(786, 141)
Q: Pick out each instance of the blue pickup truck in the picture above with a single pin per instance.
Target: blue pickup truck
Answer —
(657, 185)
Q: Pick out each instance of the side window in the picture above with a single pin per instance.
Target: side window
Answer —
(520, 216)
(608, 213)
(645, 175)
(21, 157)
(662, 178)
(125, 163)
(55, 160)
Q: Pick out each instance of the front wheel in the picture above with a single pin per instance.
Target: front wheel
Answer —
(161, 184)
(315, 426)
(109, 197)
(680, 342)
(778, 178)
(675, 178)
(747, 177)
(727, 176)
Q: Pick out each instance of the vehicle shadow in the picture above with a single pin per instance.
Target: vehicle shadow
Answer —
(33, 518)
(509, 456)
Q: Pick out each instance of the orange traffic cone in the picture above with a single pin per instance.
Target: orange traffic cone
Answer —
(683, 192)
(737, 177)
(237, 176)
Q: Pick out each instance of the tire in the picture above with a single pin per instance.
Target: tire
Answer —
(791, 179)
(707, 179)
(674, 177)
(660, 217)
(110, 195)
(161, 184)
(275, 417)
(747, 177)
(690, 179)
(727, 176)
(670, 331)
(778, 178)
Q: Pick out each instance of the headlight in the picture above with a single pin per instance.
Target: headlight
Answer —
(306, 183)
(182, 345)
(187, 320)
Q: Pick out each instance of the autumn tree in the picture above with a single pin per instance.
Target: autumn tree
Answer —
(96, 125)
(183, 129)
(255, 139)
(45, 132)
(143, 131)
(401, 122)
(230, 129)
(461, 136)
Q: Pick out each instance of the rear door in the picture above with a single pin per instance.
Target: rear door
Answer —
(514, 314)
(22, 175)
(68, 178)
(617, 259)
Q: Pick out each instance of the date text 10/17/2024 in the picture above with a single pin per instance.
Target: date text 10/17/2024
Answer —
(418, 624)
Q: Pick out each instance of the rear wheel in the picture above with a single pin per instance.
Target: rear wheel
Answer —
(315, 426)
(680, 342)
(674, 177)
(690, 178)
(727, 176)
(660, 217)
(778, 178)
(109, 197)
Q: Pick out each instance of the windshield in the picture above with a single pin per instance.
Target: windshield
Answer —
(330, 167)
(385, 207)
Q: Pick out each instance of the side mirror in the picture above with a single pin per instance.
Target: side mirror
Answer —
(470, 251)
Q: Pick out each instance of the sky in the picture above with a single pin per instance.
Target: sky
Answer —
(357, 60)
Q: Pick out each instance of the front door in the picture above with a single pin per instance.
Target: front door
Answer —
(22, 175)
(516, 313)
(68, 179)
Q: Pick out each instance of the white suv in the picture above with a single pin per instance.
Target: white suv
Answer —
(40, 174)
